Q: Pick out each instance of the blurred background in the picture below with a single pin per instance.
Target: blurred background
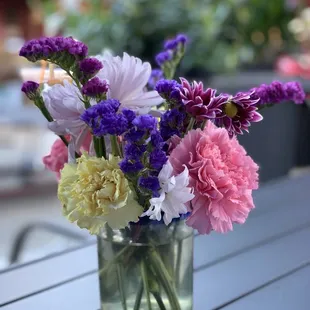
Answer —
(234, 45)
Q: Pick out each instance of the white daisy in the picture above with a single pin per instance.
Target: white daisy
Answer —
(174, 194)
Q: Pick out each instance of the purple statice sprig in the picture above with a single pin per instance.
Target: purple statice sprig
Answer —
(96, 88)
(156, 75)
(171, 56)
(277, 92)
(31, 89)
(105, 118)
(63, 51)
(170, 90)
(88, 68)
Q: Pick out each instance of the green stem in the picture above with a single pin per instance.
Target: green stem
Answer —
(120, 280)
(191, 124)
(178, 264)
(159, 300)
(146, 284)
(115, 146)
(103, 147)
(165, 279)
(116, 258)
(138, 298)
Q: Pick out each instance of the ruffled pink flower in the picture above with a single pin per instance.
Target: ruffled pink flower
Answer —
(58, 156)
(222, 175)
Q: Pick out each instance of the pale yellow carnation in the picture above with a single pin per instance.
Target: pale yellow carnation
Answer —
(94, 192)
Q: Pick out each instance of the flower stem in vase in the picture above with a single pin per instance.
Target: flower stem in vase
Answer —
(164, 278)
(139, 297)
(146, 284)
(120, 280)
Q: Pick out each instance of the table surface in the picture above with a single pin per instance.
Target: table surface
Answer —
(263, 264)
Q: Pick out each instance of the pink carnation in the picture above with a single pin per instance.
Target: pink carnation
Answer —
(222, 175)
(56, 160)
(58, 156)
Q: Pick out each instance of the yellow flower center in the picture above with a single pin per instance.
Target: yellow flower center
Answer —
(231, 109)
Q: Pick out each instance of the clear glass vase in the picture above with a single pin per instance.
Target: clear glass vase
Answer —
(146, 267)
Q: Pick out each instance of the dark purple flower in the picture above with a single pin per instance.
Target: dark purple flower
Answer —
(30, 88)
(131, 166)
(95, 87)
(134, 135)
(201, 104)
(55, 48)
(157, 140)
(163, 57)
(129, 114)
(145, 122)
(169, 90)
(90, 66)
(238, 114)
(171, 123)
(157, 159)
(277, 92)
(173, 43)
(182, 38)
(295, 92)
(103, 118)
(134, 151)
(150, 183)
(156, 75)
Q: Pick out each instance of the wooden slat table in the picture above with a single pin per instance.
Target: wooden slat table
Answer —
(263, 264)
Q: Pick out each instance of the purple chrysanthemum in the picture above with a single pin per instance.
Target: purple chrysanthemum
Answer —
(163, 57)
(201, 104)
(90, 66)
(30, 88)
(277, 92)
(169, 90)
(238, 113)
(95, 87)
(156, 75)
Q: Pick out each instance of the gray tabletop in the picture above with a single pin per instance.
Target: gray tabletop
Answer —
(263, 264)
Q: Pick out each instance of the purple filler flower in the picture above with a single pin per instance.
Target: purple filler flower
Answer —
(30, 88)
(103, 119)
(131, 166)
(95, 87)
(53, 47)
(156, 75)
(277, 92)
(150, 183)
(90, 66)
(157, 159)
(172, 44)
(169, 90)
(145, 122)
(163, 57)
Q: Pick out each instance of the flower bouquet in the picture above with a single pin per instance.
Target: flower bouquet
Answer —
(143, 159)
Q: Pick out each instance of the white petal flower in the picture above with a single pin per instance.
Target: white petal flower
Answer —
(174, 194)
(127, 78)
